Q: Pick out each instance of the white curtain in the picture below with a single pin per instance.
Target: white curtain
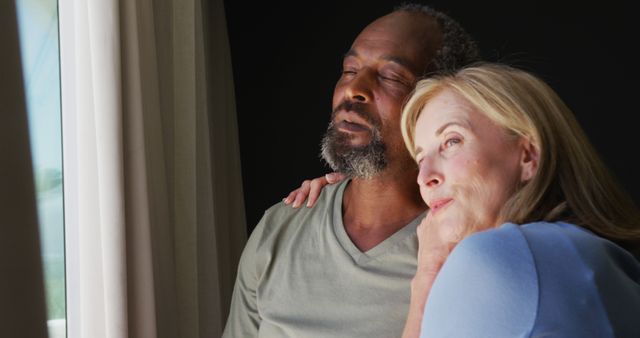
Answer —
(22, 307)
(153, 197)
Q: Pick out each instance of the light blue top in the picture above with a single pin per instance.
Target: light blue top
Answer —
(535, 280)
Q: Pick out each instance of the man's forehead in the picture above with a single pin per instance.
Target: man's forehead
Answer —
(390, 57)
(400, 37)
(400, 26)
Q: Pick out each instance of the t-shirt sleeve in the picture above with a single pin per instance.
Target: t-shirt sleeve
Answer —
(244, 319)
(488, 287)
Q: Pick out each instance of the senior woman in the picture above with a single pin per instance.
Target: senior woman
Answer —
(497, 149)
(528, 234)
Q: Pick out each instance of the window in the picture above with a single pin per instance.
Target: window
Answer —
(38, 24)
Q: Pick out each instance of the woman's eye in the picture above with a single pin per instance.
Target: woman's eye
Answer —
(452, 142)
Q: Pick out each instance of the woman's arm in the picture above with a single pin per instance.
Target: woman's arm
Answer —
(433, 250)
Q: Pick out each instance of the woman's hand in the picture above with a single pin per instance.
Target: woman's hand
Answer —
(434, 246)
(435, 242)
(312, 189)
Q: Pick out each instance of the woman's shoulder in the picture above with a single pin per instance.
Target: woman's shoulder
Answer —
(548, 240)
(504, 249)
(488, 287)
(548, 252)
(579, 275)
(544, 239)
(502, 259)
(538, 277)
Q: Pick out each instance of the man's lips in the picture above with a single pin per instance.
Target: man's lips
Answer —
(350, 121)
(439, 204)
(351, 127)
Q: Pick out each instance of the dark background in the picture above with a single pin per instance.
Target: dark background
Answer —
(287, 57)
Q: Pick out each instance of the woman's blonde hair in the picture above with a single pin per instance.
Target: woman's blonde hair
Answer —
(572, 183)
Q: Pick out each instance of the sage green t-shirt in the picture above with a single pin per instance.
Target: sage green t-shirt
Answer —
(301, 276)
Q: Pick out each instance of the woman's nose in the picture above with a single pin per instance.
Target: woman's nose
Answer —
(428, 175)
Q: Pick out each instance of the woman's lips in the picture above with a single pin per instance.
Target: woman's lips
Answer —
(437, 205)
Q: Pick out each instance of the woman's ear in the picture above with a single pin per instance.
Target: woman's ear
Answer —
(529, 161)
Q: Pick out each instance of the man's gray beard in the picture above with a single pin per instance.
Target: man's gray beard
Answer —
(357, 162)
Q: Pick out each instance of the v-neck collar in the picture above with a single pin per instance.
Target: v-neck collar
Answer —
(359, 257)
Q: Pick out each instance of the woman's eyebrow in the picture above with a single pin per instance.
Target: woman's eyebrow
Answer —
(451, 123)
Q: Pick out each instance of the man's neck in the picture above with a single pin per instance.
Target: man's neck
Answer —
(375, 209)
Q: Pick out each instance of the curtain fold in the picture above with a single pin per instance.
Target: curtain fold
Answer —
(223, 128)
(139, 67)
(157, 211)
(22, 301)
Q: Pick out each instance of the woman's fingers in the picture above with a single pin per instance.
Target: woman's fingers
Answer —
(297, 196)
(292, 196)
(315, 189)
(311, 189)
(302, 194)
(334, 177)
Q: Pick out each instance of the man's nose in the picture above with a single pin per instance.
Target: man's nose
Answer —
(360, 88)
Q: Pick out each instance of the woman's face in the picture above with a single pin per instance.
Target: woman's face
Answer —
(469, 166)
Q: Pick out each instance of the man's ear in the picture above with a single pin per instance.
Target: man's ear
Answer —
(529, 160)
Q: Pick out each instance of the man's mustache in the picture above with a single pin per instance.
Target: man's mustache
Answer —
(359, 109)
